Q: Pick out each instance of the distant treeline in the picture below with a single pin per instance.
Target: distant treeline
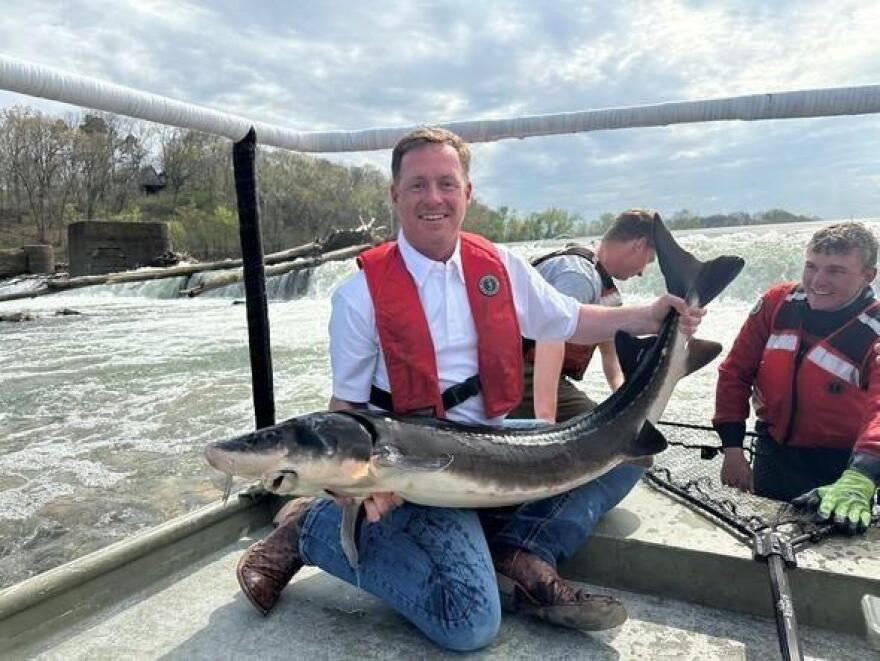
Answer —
(505, 225)
(100, 166)
(54, 171)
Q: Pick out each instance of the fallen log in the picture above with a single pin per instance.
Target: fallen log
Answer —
(17, 317)
(280, 269)
(54, 285)
(176, 271)
(25, 294)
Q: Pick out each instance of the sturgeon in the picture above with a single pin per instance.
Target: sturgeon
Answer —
(428, 461)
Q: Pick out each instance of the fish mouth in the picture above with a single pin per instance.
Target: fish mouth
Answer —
(241, 463)
(215, 460)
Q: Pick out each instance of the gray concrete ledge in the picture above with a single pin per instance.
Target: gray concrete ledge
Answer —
(653, 544)
(871, 609)
(649, 544)
(200, 613)
(64, 595)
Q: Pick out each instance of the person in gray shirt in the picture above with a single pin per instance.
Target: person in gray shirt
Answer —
(587, 274)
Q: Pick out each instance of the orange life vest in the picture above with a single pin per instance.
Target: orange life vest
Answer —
(826, 386)
(406, 339)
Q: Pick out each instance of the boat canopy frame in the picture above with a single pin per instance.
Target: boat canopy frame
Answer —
(37, 80)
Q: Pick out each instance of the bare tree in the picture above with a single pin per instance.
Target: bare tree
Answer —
(39, 158)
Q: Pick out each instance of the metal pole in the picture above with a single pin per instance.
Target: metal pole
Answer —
(244, 165)
(770, 547)
(786, 624)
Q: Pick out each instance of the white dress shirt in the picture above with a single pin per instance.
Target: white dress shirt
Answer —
(356, 358)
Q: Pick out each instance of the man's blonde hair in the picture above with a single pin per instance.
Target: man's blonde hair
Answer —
(843, 238)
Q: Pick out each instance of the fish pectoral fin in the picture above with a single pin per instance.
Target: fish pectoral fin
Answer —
(700, 353)
(649, 441)
(348, 532)
(630, 350)
(391, 456)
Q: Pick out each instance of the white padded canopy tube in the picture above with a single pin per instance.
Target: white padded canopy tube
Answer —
(49, 83)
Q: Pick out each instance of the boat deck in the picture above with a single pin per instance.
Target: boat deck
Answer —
(673, 559)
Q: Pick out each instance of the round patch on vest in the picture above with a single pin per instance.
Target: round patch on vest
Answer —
(489, 285)
(756, 308)
(834, 387)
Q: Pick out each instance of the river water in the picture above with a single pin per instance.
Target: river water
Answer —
(104, 415)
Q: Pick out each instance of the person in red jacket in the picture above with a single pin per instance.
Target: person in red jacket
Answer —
(805, 357)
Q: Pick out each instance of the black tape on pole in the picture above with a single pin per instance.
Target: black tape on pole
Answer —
(244, 155)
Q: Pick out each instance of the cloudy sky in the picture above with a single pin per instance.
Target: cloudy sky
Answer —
(349, 65)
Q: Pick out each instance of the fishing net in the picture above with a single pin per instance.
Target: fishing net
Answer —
(690, 471)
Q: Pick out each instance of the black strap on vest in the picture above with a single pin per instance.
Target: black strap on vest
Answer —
(452, 396)
(856, 340)
(570, 249)
(791, 313)
(587, 254)
(579, 251)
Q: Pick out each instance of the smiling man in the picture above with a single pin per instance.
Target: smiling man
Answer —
(805, 356)
(432, 325)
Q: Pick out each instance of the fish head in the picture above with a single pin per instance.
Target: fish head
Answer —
(309, 455)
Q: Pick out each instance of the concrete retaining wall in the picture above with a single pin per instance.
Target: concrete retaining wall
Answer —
(36, 259)
(97, 247)
(40, 259)
(12, 262)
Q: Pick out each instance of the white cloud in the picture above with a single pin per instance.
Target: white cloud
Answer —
(341, 65)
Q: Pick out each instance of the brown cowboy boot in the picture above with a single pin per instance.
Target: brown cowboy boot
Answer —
(529, 585)
(269, 564)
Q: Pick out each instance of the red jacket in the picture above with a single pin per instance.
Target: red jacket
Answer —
(835, 389)
(577, 356)
(406, 339)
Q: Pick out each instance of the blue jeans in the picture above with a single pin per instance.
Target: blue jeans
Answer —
(433, 566)
(554, 528)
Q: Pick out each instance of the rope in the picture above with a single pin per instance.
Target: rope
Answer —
(687, 425)
(707, 451)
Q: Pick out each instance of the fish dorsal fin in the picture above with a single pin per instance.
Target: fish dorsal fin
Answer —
(391, 456)
(630, 350)
(700, 353)
(649, 441)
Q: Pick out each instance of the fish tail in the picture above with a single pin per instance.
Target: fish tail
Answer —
(688, 277)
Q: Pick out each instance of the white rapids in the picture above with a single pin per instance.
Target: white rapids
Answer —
(104, 416)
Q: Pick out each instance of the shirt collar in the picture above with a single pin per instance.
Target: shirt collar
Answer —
(420, 266)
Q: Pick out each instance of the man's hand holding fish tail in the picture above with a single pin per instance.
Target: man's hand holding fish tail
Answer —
(598, 323)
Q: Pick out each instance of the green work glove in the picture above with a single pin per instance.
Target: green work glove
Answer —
(848, 500)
